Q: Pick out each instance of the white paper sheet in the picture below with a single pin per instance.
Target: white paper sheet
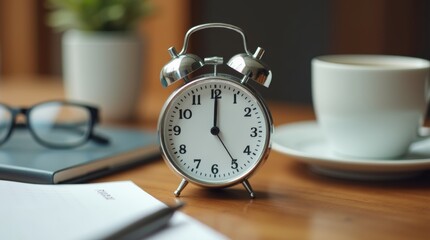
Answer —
(84, 211)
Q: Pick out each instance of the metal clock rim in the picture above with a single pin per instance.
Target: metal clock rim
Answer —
(245, 175)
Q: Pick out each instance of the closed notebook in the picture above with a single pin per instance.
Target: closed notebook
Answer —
(23, 159)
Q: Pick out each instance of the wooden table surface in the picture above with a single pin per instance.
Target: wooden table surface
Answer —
(291, 201)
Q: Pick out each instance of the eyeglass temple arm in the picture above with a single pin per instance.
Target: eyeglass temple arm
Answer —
(97, 138)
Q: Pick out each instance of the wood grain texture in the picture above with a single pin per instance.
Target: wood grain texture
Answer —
(291, 201)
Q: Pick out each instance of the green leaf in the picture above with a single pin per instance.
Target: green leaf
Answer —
(97, 15)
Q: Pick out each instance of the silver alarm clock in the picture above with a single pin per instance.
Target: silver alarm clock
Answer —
(215, 129)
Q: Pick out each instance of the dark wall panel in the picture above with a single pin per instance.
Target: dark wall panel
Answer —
(292, 33)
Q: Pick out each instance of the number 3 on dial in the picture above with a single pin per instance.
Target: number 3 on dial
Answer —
(215, 132)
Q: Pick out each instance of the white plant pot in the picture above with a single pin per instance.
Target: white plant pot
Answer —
(104, 69)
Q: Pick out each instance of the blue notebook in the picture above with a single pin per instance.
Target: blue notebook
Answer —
(23, 159)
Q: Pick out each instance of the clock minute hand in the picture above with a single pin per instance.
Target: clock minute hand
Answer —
(215, 129)
(215, 112)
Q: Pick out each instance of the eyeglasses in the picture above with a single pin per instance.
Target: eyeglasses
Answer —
(54, 124)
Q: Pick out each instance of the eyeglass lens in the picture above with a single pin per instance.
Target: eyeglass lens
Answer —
(6, 120)
(60, 124)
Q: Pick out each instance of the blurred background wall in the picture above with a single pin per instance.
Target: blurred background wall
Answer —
(292, 32)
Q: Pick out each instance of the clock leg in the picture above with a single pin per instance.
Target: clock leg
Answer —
(181, 187)
(248, 188)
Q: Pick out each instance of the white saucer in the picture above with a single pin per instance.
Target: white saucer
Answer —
(305, 142)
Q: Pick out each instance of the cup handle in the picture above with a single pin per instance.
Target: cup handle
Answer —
(423, 134)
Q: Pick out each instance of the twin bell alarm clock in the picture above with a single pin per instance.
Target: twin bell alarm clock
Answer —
(215, 129)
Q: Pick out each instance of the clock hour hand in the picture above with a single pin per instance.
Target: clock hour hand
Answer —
(234, 165)
(225, 147)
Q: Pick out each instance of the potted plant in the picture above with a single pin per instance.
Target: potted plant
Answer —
(102, 52)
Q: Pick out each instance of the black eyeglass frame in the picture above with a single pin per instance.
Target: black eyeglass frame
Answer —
(91, 135)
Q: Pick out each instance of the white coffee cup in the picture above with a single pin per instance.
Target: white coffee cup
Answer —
(370, 106)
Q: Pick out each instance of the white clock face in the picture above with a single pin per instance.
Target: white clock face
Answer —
(215, 132)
